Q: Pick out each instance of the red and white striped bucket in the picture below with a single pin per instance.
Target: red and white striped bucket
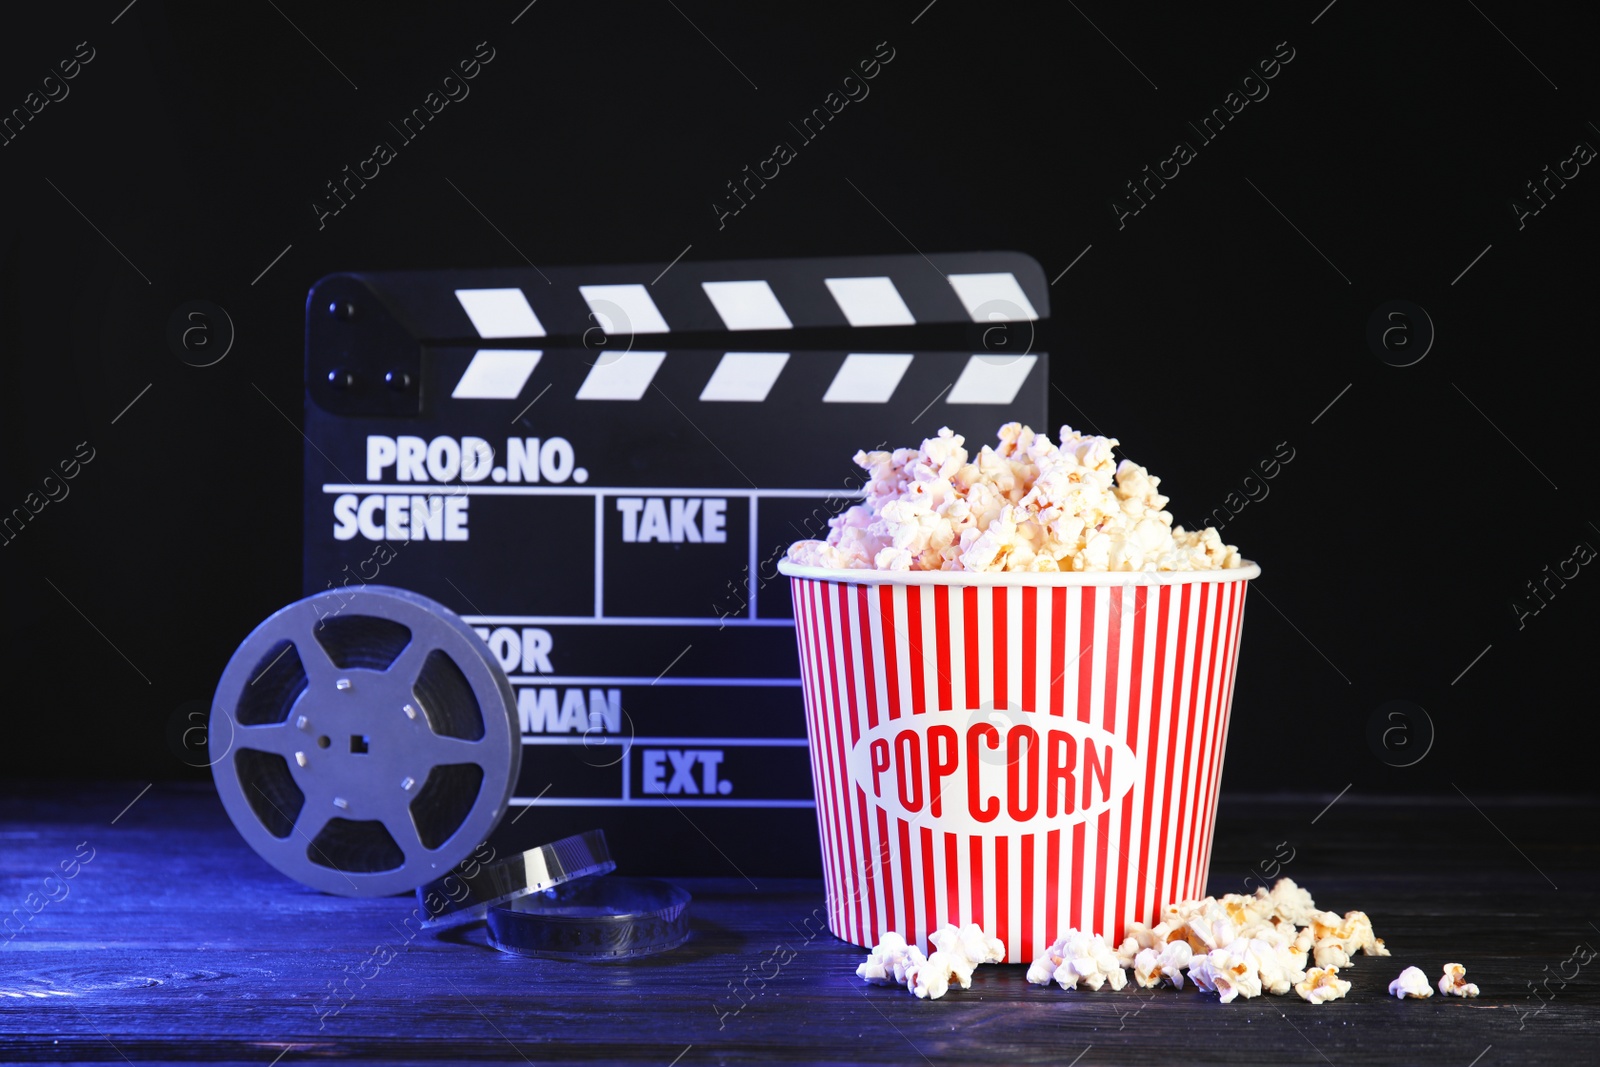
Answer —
(1028, 752)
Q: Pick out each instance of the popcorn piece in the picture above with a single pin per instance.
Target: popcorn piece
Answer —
(1357, 932)
(1203, 973)
(930, 978)
(1322, 984)
(1291, 903)
(1231, 972)
(1337, 939)
(961, 950)
(1278, 967)
(1271, 958)
(1140, 937)
(1330, 952)
(1178, 915)
(892, 559)
(1077, 959)
(890, 960)
(1246, 911)
(1453, 983)
(1150, 966)
(1302, 944)
(1412, 983)
(956, 953)
(1211, 930)
(970, 941)
(992, 550)
(1042, 970)
(1025, 505)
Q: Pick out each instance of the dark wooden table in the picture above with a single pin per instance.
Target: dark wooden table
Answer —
(174, 942)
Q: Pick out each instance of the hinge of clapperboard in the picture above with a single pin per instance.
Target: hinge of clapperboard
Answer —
(368, 334)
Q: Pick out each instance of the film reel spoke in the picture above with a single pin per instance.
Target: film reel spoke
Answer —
(312, 818)
(404, 830)
(278, 738)
(320, 669)
(407, 666)
(452, 750)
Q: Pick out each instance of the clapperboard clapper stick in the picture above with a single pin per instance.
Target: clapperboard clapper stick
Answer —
(599, 467)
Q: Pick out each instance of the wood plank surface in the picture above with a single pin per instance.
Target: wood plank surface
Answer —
(174, 942)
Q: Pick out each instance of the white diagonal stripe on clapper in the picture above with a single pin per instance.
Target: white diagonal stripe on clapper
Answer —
(744, 376)
(999, 297)
(866, 379)
(631, 302)
(500, 313)
(870, 301)
(991, 379)
(623, 376)
(747, 305)
(496, 374)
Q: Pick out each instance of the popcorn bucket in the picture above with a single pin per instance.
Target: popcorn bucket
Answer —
(1028, 752)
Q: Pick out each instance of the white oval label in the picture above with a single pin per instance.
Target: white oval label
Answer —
(992, 771)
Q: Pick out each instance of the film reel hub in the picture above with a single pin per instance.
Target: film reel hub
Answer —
(349, 740)
(364, 742)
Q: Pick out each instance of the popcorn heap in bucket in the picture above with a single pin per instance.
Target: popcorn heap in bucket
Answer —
(1235, 946)
(1026, 505)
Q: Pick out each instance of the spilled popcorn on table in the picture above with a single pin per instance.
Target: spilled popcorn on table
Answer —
(1411, 983)
(1453, 983)
(1235, 946)
(957, 953)
(1025, 505)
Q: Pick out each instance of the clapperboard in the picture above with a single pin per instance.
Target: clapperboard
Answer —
(600, 467)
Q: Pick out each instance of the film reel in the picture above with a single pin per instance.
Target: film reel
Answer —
(364, 742)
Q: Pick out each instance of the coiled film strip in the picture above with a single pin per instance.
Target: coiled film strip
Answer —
(468, 892)
(594, 919)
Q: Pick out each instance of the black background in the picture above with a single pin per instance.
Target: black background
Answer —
(1202, 333)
